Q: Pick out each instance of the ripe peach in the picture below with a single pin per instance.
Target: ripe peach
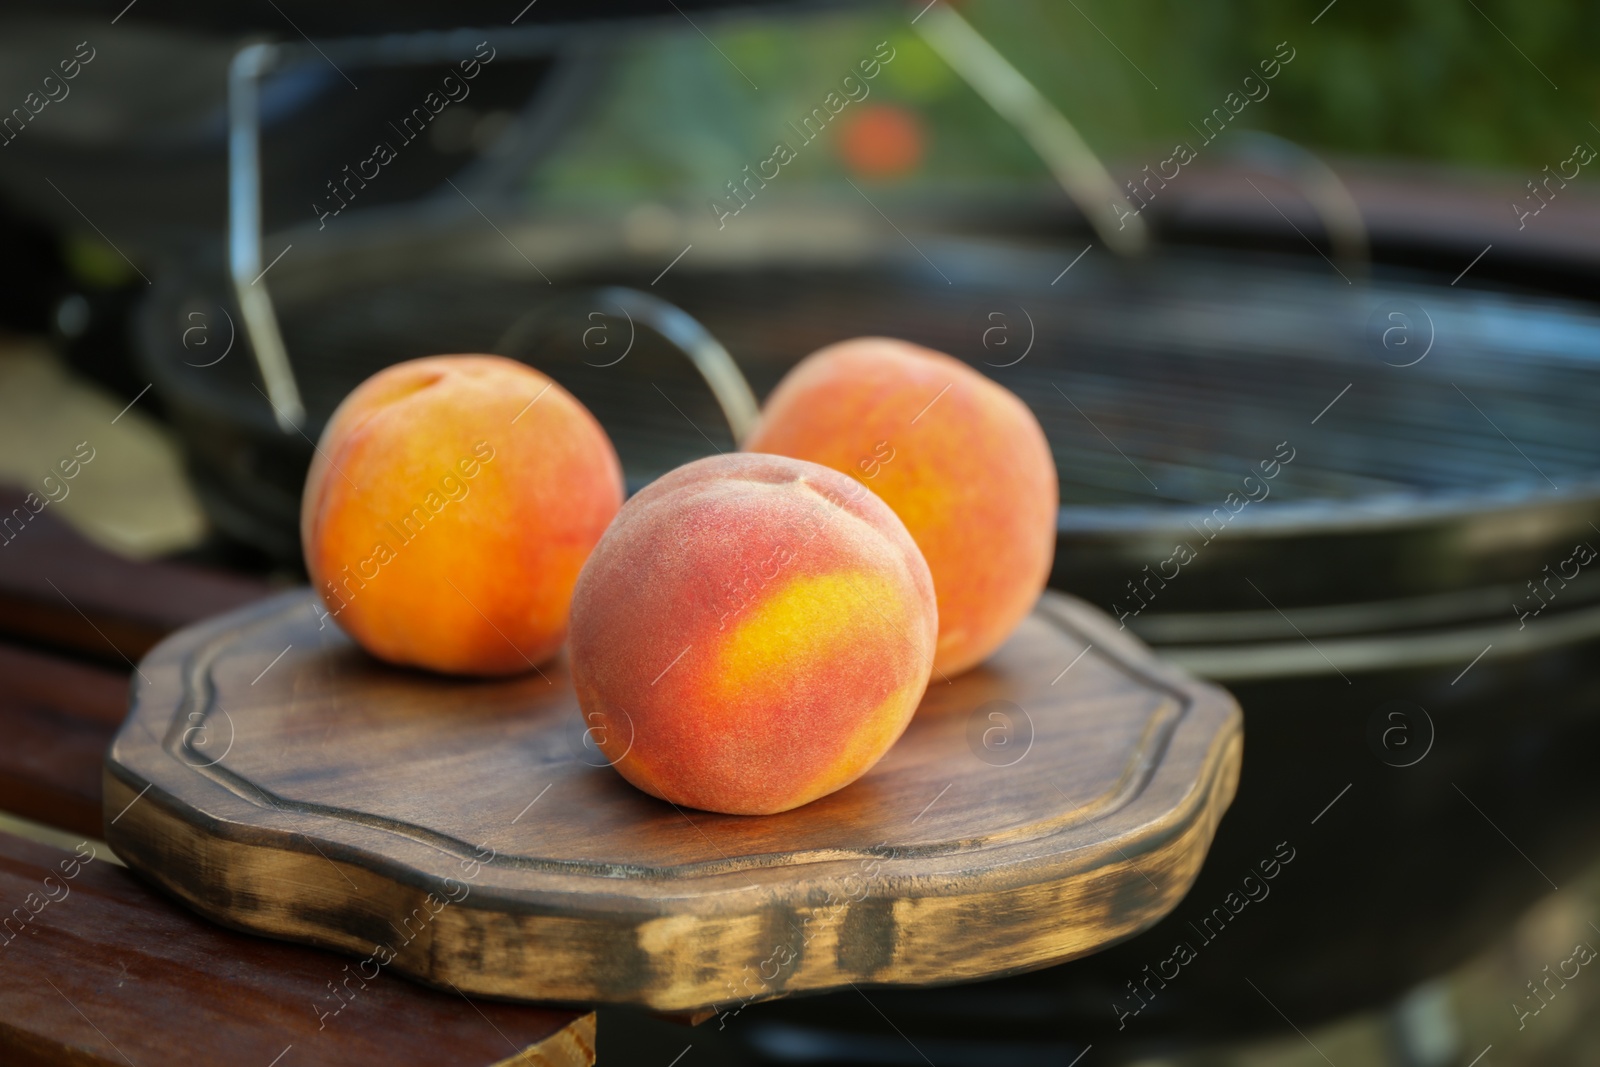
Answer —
(752, 633)
(960, 459)
(449, 508)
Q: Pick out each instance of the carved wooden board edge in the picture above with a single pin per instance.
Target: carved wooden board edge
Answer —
(578, 944)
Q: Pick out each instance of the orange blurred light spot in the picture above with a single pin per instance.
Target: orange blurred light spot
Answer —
(883, 141)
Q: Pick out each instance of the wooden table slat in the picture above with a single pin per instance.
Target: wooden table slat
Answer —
(57, 717)
(98, 969)
(59, 589)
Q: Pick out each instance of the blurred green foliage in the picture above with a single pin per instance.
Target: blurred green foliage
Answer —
(1502, 84)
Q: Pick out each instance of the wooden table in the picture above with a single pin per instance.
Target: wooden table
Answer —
(97, 968)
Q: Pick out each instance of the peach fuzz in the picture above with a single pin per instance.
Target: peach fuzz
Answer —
(752, 633)
(959, 458)
(450, 505)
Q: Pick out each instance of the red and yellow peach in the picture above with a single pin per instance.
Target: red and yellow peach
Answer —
(752, 633)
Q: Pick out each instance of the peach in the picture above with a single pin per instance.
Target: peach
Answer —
(752, 633)
(450, 505)
(959, 458)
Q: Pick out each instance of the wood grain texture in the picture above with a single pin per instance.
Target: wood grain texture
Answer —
(59, 589)
(97, 969)
(57, 717)
(1056, 799)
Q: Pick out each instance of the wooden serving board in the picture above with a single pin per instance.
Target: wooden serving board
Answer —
(273, 776)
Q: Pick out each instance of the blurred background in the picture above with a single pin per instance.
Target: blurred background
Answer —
(1191, 236)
